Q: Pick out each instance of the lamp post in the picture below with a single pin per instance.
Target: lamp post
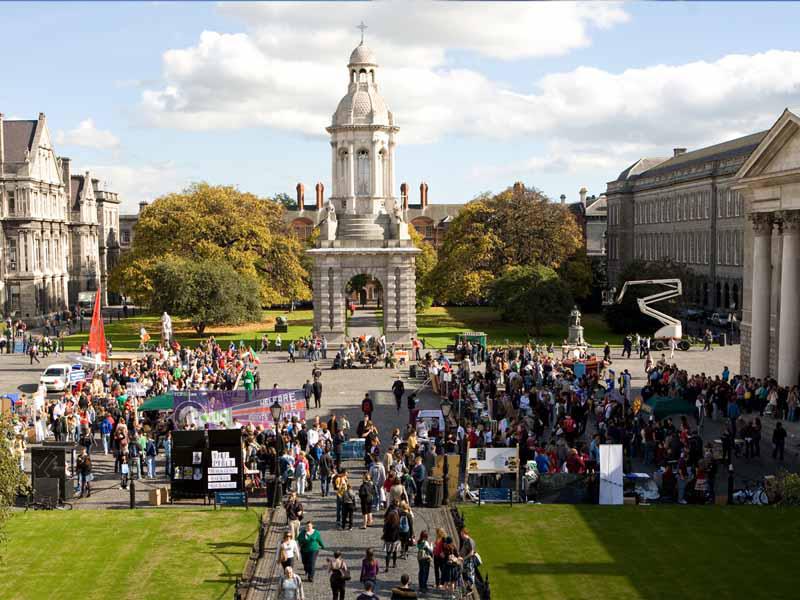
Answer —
(276, 410)
(447, 410)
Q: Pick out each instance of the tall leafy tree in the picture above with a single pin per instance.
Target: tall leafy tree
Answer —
(11, 478)
(531, 297)
(206, 292)
(221, 223)
(424, 264)
(518, 227)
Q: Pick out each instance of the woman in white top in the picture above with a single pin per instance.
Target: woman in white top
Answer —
(288, 550)
(291, 586)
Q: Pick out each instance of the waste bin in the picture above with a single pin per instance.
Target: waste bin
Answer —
(723, 339)
(435, 492)
(274, 493)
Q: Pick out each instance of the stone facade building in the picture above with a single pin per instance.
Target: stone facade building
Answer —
(769, 182)
(687, 209)
(59, 231)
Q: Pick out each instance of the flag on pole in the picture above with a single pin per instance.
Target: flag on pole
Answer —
(97, 335)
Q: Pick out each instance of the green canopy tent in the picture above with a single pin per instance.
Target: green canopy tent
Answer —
(161, 402)
(664, 406)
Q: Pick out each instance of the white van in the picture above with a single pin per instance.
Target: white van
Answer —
(56, 377)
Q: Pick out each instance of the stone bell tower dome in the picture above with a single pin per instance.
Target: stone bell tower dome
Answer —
(362, 142)
(363, 229)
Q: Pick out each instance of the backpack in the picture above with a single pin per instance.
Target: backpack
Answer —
(423, 553)
(404, 528)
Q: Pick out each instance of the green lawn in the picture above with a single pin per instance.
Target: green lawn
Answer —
(124, 334)
(593, 552)
(151, 554)
(438, 325)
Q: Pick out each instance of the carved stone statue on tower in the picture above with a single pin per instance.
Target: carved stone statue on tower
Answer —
(327, 228)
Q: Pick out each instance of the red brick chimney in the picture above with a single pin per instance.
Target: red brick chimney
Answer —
(423, 194)
(320, 190)
(404, 195)
(301, 196)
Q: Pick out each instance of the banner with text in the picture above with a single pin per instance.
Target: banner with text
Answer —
(218, 408)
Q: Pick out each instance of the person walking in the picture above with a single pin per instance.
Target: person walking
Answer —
(288, 550)
(340, 575)
(370, 567)
(308, 392)
(325, 470)
(290, 586)
(406, 527)
(151, 452)
(391, 535)
(348, 507)
(84, 468)
(424, 560)
(778, 441)
(316, 388)
(367, 407)
(419, 475)
(398, 389)
(310, 543)
(366, 493)
(294, 514)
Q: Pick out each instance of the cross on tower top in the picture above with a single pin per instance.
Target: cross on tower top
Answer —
(362, 27)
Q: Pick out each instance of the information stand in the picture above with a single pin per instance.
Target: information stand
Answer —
(188, 465)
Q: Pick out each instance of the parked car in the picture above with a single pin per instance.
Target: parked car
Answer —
(56, 377)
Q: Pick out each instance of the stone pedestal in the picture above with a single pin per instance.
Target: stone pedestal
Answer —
(575, 336)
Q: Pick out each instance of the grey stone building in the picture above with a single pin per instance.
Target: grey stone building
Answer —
(58, 230)
(684, 208)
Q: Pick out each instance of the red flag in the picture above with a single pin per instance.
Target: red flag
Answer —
(97, 335)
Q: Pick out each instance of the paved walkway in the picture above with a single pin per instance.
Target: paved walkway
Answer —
(366, 322)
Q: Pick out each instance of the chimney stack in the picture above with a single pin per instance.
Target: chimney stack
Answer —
(423, 194)
(301, 196)
(583, 191)
(563, 199)
(142, 206)
(320, 192)
(404, 195)
(66, 173)
(678, 152)
(41, 116)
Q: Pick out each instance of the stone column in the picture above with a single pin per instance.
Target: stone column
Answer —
(762, 266)
(335, 186)
(351, 173)
(375, 187)
(390, 158)
(789, 328)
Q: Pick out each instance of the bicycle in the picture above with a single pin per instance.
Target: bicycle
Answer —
(752, 493)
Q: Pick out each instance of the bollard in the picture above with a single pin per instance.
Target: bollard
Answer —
(261, 539)
(133, 493)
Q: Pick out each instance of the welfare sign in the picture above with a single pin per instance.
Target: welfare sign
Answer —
(218, 409)
(223, 474)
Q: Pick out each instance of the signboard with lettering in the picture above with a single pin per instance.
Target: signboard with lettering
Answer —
(230, 498)
(492, 460)
(217, 408)
(224, 467)
(494, 495)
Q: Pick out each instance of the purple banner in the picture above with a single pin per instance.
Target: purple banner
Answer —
(218, 408)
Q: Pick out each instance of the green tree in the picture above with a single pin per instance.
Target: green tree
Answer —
(424, 264)
(286, 200)
(532, 297)
(216, 222)
(576, 272)
(206, 292)
(626, 317)
(518, 227)
(11, 477)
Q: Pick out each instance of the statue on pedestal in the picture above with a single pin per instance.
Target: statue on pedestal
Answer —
(575, 337)
(328, 227)
(166, 329)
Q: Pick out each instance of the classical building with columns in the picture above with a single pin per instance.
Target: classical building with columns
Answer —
(58, 231)
(363, 226)
(769, 181)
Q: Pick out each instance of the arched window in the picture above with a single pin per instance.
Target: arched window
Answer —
(342, 175)
(362, 76)
(362, 173)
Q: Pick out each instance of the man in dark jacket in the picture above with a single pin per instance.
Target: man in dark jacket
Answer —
(398, 389)
(779, 441)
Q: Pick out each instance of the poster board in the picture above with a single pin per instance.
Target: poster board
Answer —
(224, 464)
(492, 460)
(433, 420)
(188, 464)
(611, 474)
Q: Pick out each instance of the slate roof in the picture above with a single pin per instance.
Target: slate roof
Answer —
(17, 137)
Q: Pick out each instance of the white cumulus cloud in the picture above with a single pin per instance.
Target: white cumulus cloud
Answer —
(88, 135)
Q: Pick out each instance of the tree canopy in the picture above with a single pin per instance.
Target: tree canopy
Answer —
(220, 223)
(424, 264)
(518, 227)
(11, 478)
(531, 296)
(206, 292)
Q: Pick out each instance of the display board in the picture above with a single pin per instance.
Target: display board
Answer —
(492, 460)
(188, 464)
(215, 407)
(224, 466)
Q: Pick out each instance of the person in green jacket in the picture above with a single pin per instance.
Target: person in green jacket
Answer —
(248, 379)
(310, 543)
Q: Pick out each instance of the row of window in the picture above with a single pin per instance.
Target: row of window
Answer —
(687, 207)
(34, 203)
(47, 254)
(614, 214)
(691, 247)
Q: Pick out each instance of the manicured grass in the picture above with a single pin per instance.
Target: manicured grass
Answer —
(439, 325)
(124, 334)
(594, 552)
(170, 554)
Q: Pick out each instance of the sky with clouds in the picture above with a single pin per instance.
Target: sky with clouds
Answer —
(153, 96)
